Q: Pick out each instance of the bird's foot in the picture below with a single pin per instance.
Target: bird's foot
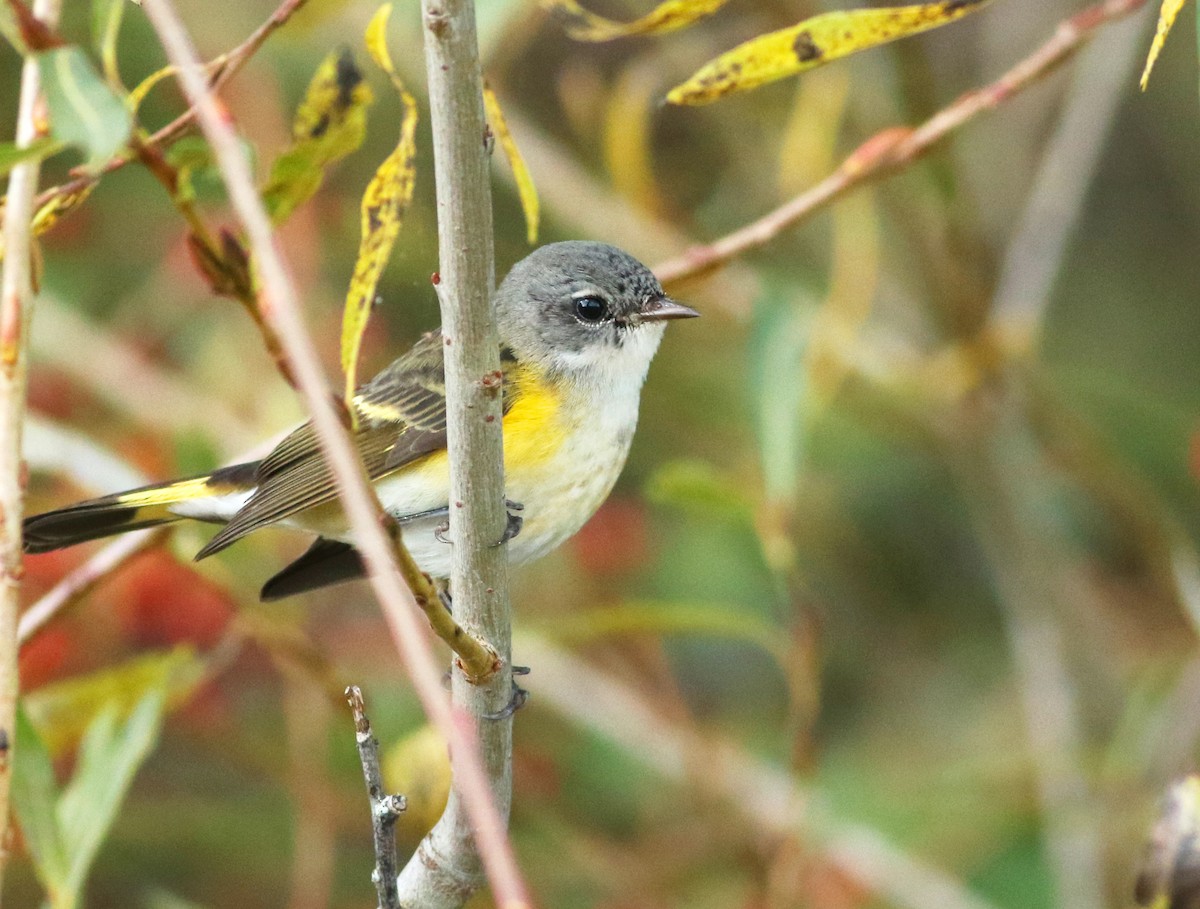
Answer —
(519, 697)
(515, 521)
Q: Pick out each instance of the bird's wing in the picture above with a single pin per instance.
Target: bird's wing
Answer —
(401, 417)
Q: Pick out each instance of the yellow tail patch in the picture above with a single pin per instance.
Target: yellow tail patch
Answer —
(182, 491)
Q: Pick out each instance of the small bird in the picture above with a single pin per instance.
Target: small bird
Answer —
(579, 323)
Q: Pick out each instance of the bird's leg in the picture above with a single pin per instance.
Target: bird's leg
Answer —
(443, 512)
(513, 527)
(440, 531)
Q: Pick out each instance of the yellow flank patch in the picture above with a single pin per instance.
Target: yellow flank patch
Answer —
(168, 495)
(533, 431)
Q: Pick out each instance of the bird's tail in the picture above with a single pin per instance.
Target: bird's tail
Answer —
(121, 512)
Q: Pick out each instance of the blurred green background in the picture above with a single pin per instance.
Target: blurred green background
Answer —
(929, 556)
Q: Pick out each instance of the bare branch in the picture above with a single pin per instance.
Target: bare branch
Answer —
(385, 809)
(84, 579)
(899, 147)
(476, 658)
(16, 300)
(447, 866)
(280, 306)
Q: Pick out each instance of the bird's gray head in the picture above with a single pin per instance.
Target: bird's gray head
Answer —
(579, 305)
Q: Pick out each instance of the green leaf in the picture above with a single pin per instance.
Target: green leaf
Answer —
(191, 157)
(330, 124)
(65, 710)
(84, 109)
(698, 487)
(34, 794)
(11, 155)
(111, 753)
(778, 340)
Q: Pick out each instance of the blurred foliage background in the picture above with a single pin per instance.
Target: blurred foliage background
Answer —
(902, 523)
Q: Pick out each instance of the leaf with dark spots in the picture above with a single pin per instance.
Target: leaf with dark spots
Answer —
(330, 123)
(811, 43)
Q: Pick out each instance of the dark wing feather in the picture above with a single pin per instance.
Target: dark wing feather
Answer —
(402, 416)
(326, 562)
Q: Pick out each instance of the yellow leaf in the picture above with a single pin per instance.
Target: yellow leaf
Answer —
(58, 207)
(330, 123)
(810, 44)
(810, 132)
(628, 119)
(1166, 18)
(419, 766)
(383, 205)
(526, 191)
(666, 17)
(49, 214)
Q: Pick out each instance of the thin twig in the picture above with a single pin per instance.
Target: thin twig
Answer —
(84, 579)
(1034, 256)
(385, 809)
(16, 301)
(446, 869)
(477, 660)
(221, 69)
(768, 797)
(220, 257)
(281, 307)
(896, 148)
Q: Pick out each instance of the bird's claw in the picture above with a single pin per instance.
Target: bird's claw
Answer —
(518, 700)
(515, 521)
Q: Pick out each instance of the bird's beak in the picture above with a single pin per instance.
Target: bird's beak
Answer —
(658, 309)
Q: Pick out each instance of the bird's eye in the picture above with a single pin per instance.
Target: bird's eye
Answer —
(591, 308)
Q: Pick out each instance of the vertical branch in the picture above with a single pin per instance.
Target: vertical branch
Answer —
(281, 308)
(446, 869)
(385, 809)
(16, 297)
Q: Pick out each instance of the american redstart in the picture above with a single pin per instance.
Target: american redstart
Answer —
(579, 323)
